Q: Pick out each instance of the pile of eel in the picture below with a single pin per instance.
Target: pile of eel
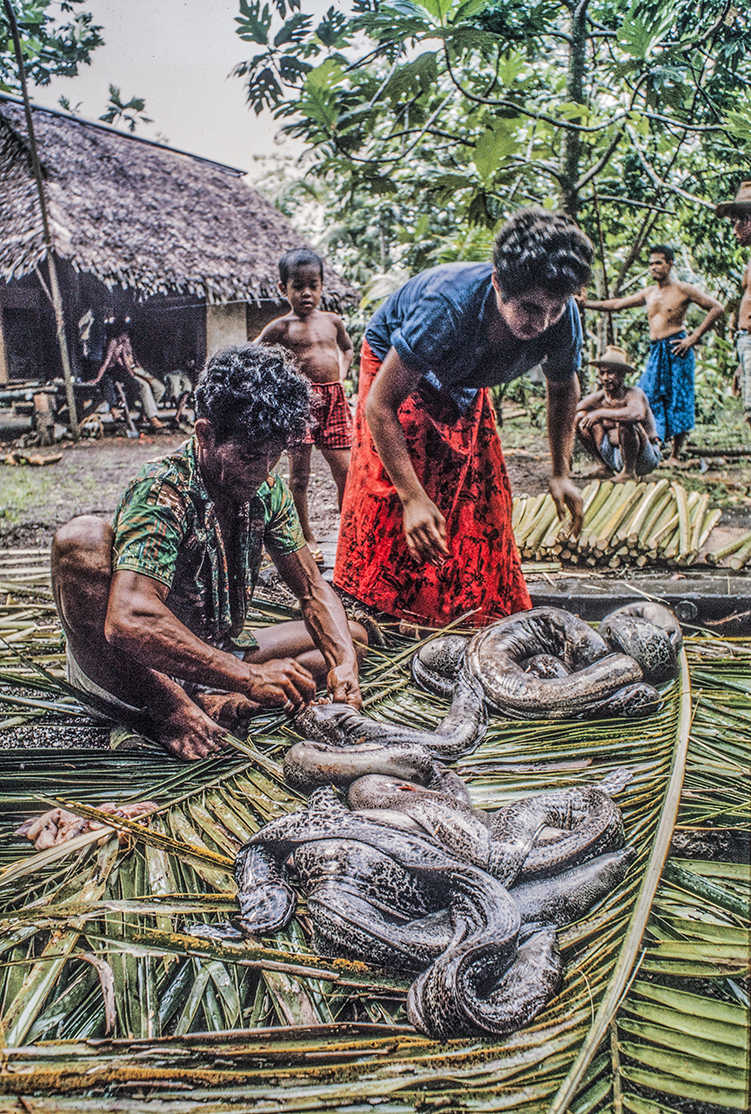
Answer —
(407, 874)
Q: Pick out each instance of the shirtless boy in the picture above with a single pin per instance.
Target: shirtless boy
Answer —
(668, 380)
(615, 424)
(323, 352)
(739, 211)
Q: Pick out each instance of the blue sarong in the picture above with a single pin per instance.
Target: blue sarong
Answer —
(668, 383)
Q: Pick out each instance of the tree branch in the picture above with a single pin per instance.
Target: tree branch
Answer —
(663, 185)
(565, 125)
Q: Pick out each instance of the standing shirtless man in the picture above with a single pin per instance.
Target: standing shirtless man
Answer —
(739, 211)
(668, 380)
(323, 352)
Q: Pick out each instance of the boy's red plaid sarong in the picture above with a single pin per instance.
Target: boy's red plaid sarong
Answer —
(459, 462)
(331, 420)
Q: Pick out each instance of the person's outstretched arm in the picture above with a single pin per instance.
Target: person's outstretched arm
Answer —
(424, 525)
(563, 395)
(681, 345)
(611, 304)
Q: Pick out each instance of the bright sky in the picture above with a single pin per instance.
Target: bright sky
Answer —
(177, 54)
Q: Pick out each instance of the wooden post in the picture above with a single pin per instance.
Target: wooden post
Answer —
(51, 263)
(3, 356)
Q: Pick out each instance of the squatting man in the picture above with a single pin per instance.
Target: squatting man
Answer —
(154, 606)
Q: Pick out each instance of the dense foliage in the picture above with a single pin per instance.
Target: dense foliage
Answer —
(56, 39)
(426, 123)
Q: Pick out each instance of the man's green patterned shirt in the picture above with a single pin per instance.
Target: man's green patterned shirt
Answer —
(166, 527)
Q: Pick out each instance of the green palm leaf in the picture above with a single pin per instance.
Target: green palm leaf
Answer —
(652, 1011)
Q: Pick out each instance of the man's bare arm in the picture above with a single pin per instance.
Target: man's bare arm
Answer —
(634, 409)
(681, 345)
(424, 525)
(139, 622)
(326, 622)
(562, 399)
(109, 356)
(589, 402)
(612, 304)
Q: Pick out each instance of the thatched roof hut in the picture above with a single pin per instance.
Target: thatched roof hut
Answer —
(180, 243)
(139, 214)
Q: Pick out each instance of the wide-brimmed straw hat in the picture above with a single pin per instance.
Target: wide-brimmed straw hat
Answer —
(740, 206)
(613, 356)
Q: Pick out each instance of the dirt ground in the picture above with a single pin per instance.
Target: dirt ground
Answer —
(91, 475)
(90, 478)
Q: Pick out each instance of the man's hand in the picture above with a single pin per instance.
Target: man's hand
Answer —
(341, 681)
(681, 345)
(230, 710)
(283, 682)
(425, 530)
(566, 496)
(188, 733)
(586, 420)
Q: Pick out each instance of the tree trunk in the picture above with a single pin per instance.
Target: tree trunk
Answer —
(572, 146)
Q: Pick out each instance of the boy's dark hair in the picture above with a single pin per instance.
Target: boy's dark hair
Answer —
(537, 247)
(663, 249)
(253, 393)
(299, 257)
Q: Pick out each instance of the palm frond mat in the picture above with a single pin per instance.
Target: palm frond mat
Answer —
(107, 1005)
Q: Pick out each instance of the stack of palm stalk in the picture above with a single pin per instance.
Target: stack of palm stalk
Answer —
(109, 1003)
(628, 523)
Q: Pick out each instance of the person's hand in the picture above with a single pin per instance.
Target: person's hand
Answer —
(282, 682)
(681, 345)
(588, 419)
(231, 710)
(425, 530)
(188, 733)
(567, 497)
(341, 681)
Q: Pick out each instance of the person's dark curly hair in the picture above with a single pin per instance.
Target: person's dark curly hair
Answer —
(539, 248)
(254, 394)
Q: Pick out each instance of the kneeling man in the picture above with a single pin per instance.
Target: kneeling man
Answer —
(154, 607)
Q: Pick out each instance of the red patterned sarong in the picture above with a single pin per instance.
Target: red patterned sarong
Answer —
(459, 462)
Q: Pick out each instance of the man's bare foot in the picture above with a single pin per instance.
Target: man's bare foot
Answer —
(189, 734)
(602, 473)
(156, 424)
(622, 476)
(673, 462)
(230, 710)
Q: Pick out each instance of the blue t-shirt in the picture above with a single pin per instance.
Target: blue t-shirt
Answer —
(438, 324)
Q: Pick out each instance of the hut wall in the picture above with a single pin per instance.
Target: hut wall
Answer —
(225, 325)
(260, 313)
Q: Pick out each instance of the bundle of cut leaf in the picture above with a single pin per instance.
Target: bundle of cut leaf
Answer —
(643, 523)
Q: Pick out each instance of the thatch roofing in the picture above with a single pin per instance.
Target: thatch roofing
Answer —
(139, 214)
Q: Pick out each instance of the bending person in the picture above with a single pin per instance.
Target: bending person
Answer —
(426, 519)
(154, 608)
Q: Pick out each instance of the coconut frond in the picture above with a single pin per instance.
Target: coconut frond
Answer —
(109, 1001)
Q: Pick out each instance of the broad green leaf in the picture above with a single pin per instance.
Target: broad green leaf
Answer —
(492, 148)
